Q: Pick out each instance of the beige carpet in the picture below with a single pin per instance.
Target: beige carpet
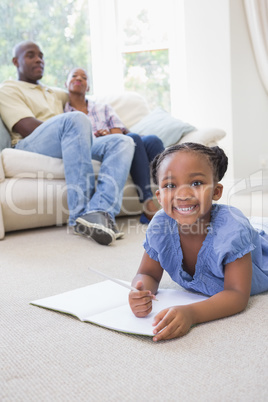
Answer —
(49, 356)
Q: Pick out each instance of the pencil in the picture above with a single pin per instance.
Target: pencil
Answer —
(113, 279)
(118, 281)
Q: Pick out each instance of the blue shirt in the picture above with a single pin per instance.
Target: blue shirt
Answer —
(230, 236)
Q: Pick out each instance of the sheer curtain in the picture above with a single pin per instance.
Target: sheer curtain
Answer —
(257, 17)
(106, 58)
(106, 49)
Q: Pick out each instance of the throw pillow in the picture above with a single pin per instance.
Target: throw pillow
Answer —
(161, 123)
(5, 139)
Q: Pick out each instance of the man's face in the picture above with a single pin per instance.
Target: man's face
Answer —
(30, 63)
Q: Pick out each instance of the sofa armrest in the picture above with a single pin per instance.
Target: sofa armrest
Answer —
(23, 164)
(18, 163)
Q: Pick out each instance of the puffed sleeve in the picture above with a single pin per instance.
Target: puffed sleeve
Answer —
(233, 237)
(150, 243)
(157, 242)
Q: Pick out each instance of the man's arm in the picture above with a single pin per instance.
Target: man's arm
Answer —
(26, 126)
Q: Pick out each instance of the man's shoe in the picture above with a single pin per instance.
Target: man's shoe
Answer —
(117, 232)
(97, 225)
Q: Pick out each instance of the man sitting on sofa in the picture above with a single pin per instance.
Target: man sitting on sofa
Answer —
(34, 116)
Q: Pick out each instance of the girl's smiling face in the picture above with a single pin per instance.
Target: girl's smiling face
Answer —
(187, 187)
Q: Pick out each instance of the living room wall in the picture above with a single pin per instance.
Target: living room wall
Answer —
(223, 86)
(249, 100)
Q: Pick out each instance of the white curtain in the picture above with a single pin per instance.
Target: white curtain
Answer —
(106, 58)
(257, 17)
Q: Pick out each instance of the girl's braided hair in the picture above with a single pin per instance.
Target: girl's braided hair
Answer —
(215, 156)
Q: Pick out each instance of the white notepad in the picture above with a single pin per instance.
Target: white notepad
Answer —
(106, 304)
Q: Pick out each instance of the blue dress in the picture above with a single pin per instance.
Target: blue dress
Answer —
(230, 236)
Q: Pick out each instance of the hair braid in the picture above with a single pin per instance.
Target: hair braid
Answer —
(215, 155)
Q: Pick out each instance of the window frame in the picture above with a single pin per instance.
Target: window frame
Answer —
(107, 60)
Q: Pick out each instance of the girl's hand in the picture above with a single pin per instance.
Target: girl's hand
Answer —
(172, 322)
(140, 301)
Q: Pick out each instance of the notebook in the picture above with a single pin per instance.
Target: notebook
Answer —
(106, 304)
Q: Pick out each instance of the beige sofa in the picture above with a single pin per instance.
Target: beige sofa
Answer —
(32, 186)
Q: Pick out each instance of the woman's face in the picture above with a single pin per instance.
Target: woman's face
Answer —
(77, 81)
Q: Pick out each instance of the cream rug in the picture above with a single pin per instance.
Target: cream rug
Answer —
(49, 356)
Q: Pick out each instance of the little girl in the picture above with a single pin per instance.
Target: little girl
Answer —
(204, 247)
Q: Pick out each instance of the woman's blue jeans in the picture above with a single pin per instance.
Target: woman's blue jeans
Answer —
(147, 147)
(69, 136)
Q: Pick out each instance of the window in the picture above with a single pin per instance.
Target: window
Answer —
(123, 44)
(60, 27)
(144, 44)
(139, 45)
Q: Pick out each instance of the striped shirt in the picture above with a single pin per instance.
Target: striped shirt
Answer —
(102, 117)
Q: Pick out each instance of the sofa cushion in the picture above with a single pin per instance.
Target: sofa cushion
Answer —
(130, 106)
(162, 124)
(206, 136)
(5, 139)
(2, 173)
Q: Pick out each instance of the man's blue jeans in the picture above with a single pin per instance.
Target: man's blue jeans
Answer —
(68, 136)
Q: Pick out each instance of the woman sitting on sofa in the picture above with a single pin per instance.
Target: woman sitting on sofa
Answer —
(104, 121)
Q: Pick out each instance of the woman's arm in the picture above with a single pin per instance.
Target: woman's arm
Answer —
(116, 131)
(176, 321)
(101, 133)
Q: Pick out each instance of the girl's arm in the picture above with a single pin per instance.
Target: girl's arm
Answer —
(176, 321)
(146, 282)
